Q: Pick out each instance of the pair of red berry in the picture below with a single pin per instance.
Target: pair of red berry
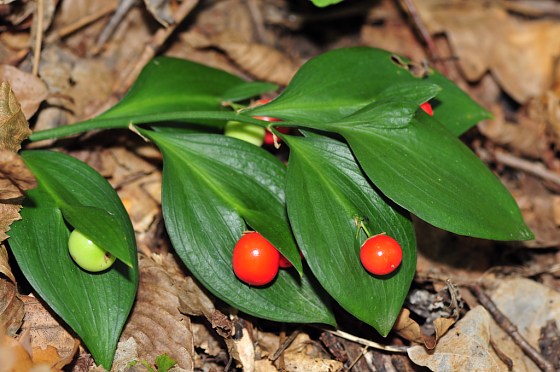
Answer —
(256, 261)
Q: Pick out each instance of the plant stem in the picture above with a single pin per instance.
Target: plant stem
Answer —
(126, 121)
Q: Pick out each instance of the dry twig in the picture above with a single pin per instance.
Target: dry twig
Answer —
(363, 341)
(38, 36)
(284, 345)
(510, 328)
(535, 168)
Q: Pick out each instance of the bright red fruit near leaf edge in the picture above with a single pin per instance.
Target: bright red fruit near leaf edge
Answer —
(381, 254)
(255, 260)
(427, 108)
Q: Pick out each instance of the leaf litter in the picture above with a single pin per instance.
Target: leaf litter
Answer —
(513, 73)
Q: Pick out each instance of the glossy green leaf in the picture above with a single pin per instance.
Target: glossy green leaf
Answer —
(247, 90)
(173, 85)
(213, 187)
(95, 306)
(340, 82)
(428, 171)
(98, 224)
(326, 192)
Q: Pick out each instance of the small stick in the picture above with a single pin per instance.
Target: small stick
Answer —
(38, 36)
(364, 351)
(510, 328)
(362, 341)
(535, 168)
(284, 345)
(82, 22)
(424, 33)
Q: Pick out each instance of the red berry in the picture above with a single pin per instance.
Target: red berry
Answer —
(268, 137)
(284, 263)
(427, 108)
(381, 254)
(255, 260)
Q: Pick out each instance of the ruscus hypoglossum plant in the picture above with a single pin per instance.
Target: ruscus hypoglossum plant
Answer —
(360, 149)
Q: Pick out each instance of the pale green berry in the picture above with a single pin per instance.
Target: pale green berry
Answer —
(88, 255)
(246, 132)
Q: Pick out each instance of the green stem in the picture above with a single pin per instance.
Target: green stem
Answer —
(359, 221)
(124, 122)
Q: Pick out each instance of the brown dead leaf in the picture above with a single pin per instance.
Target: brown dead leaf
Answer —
(301, 362)
(8, 214)
(45, 330)
(29, 89)
(15, 177)
(465, 348)
(11, 307)
(14, 356)
(537, 207)
(50, 357)
(520, 53)
(260, 61)
(527, 137)
(527, 304)
(386, 29)
(155, 323)
(5, 268)
(410, 329)
(13, 125)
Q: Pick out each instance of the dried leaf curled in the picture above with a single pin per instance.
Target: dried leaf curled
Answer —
(13, 125)
(410, 329)
(465, 348)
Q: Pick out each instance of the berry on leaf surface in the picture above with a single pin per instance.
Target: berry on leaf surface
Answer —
(427, 107)
(381, 254)
(88, 255)
(255, 260)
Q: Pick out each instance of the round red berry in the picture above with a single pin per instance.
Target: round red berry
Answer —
(255, 260)
(427, 107)
(381, 254)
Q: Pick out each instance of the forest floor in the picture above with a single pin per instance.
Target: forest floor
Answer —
(501, 299)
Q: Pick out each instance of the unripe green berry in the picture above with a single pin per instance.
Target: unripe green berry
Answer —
(246, 132)
(88, 255)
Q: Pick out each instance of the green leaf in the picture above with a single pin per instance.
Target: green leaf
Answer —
(173, 85)
(164, 363)
(213, 187)
(326, 192)
(428, 171)
(340, 82)
(100, 225)
(247, 90)
(95, 306)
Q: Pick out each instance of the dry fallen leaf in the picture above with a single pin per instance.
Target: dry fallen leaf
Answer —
(155, 323)
(410, 329)
(529, 305)
(45, 330)
(11, 307)
(260, 61)
(520, 53)
(29, 89)
(15, 177)
(466, 347)
(13, 125)
(5, 268)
